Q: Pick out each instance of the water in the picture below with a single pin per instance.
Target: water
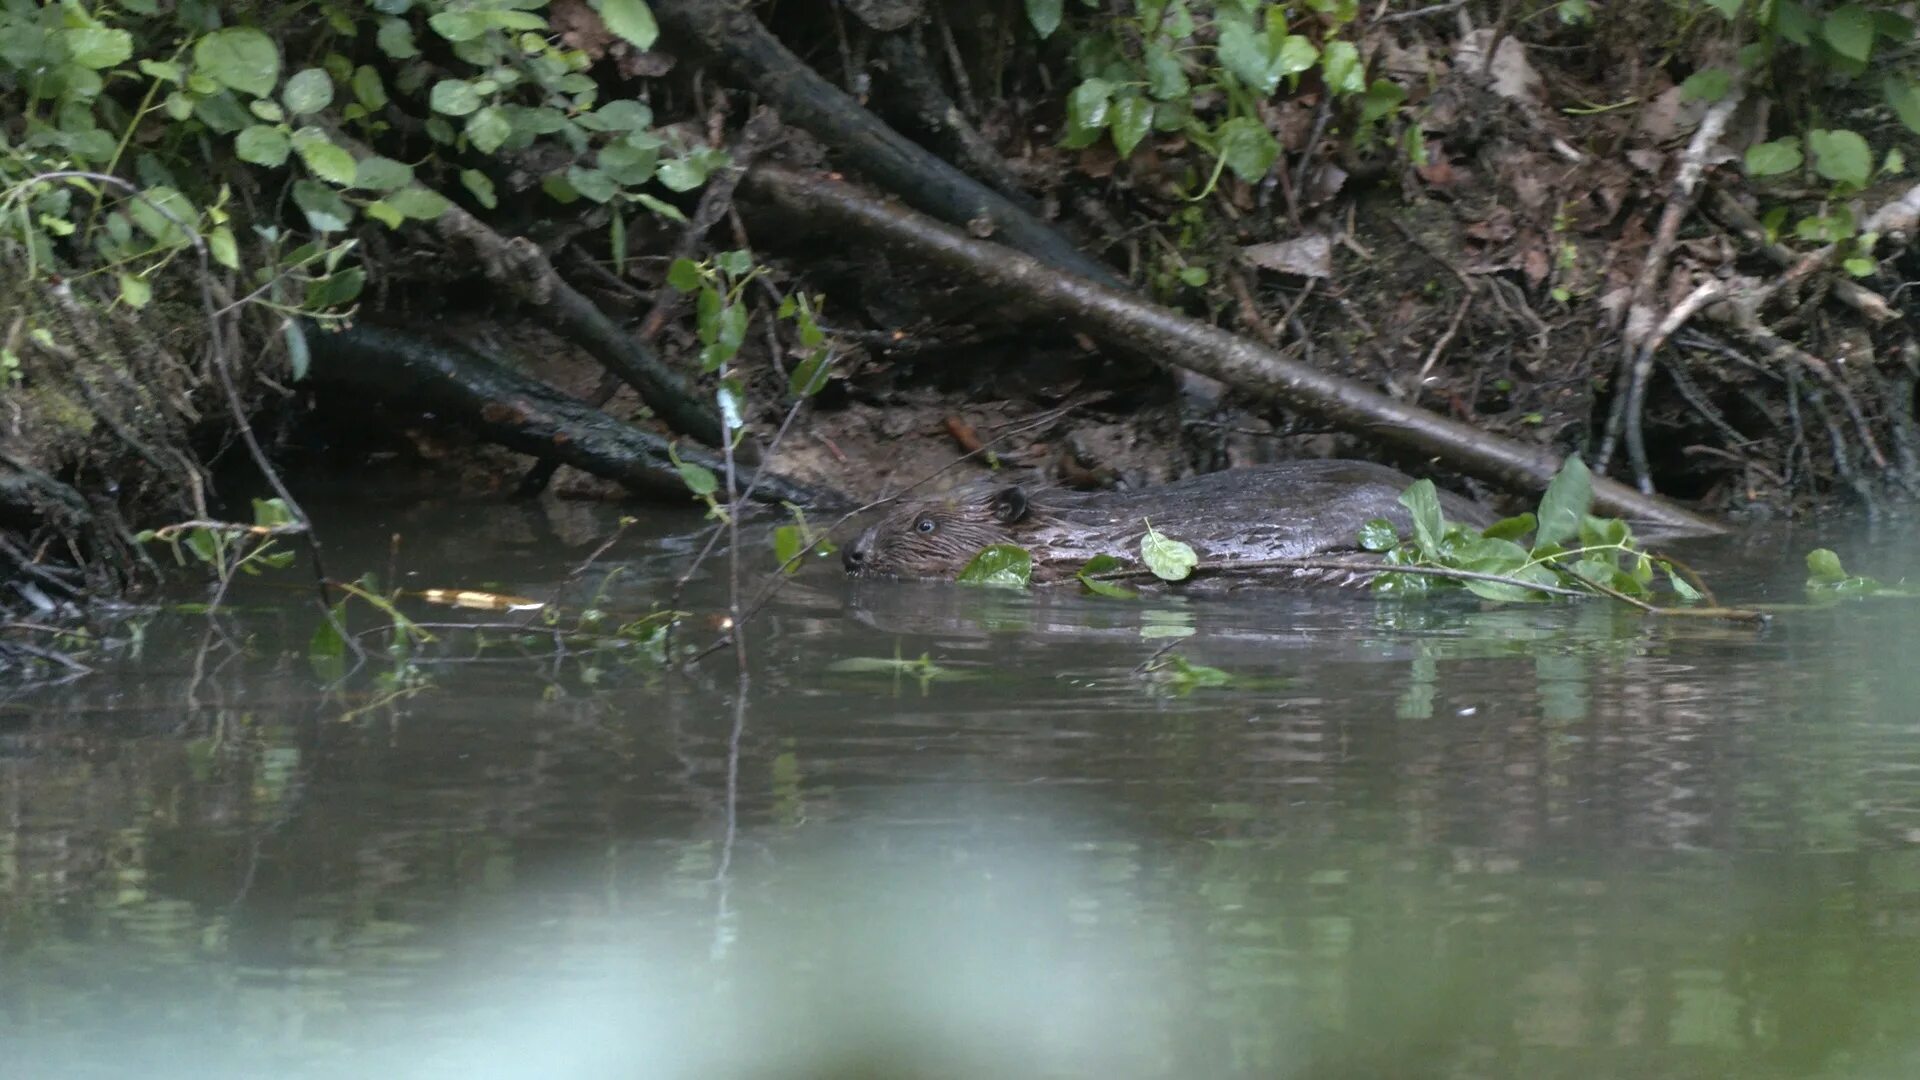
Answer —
(1407, 840)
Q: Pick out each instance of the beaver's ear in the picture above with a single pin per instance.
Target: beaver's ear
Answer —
(1009, 505)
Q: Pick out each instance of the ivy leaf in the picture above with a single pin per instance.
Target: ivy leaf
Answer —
(1850, 31)
(631, 20)
(1168, 559)
(262, 145)
(1001, 565)
(1774, 158)
(810, 374)
(1841, 156)
(1132, 118)
(1564, 507)
(1429, 524)
(1045, 16)
(1166, 79)
(1248, 148)
(684, 275)
(307, 91)
(239, 57)
(1104, 564)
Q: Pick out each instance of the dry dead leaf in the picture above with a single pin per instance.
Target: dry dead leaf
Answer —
(1308, 256)
(1514, 77)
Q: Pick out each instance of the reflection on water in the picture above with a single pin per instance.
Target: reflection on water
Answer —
(1409, 839)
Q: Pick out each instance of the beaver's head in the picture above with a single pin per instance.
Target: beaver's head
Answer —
(937, 537)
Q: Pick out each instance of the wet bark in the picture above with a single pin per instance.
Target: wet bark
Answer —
(457, 384)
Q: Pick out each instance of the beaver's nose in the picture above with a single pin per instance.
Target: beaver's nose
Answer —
(855, 556)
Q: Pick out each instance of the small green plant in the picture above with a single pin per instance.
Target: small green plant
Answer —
(230, 548)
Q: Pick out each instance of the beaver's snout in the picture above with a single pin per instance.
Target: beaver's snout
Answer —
(855, 557)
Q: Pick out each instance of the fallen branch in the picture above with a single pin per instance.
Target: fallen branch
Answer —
(522, 414)
(1129, 322)
(890, 159)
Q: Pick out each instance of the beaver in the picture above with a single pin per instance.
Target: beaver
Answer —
(1288, 510)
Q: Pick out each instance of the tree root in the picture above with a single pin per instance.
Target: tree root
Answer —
(520, 413)
(1128, 322)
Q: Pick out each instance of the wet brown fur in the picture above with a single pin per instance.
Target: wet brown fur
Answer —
(1288, 510)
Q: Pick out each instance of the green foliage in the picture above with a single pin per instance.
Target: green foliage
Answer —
(790, 542)
(1179, 676)
(316, 100)
(1000, 565)
(1089, 576)
(1570, 548)
(1201, 68)
(1169, 560)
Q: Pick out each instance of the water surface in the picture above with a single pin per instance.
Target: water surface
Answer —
(1407, 839)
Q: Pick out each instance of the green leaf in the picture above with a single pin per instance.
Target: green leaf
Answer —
(682, 174)
(488, 128)
(631, 20)
(239, 57)
(1087, 111)
(1565, 505)
(1166, 79)
(1904, 98)
(1168, 559)
(299, 358)
(262, 145)
(422, 204)
(385, 213)
(698, 478)
(453, 97)
(221, 245)
(307, 91)
(1383, 97)
(368, 89)
(326, 649)
(1297, 54)
(335, 289)
(1248, 148)
(1512, 528)
(592, 183)
(623, 114)
(1429, 524)
(1727, 8)
(810, 374)
(1860, 266)
(1341, 64)
(1132, 119)
(325, 210)
(664, 209)
(322, 158)
(684, 275)
(378, 173)
(1001, 565)
(480, 185)
(457, 26)
(1045, 16)
(395, 38)
(98, 48)
(1574, 12)
(1850, 31)
(1707, 84)
(1379, 535)
(1824, 568)
(1243, 50)
(1194, 276)
(161, 214)
(736, 263)
(1773, 158)
(1841, 156)
(135, 291)
(1104, 564)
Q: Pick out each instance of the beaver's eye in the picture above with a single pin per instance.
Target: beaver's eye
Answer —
(925, 525)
